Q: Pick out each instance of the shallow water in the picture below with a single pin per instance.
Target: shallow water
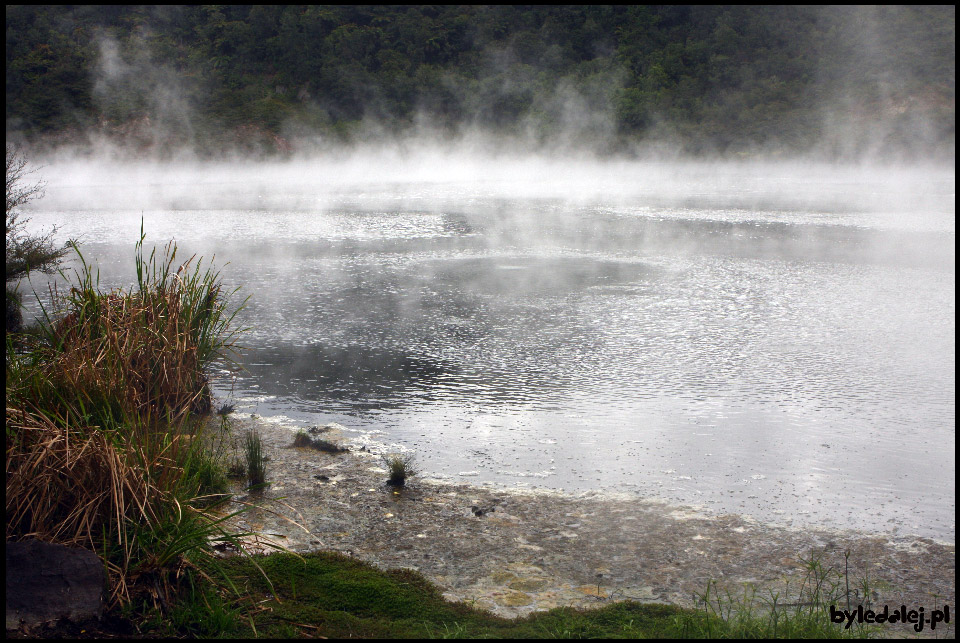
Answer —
(773, 341)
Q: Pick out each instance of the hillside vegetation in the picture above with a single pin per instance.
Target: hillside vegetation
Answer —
(843, 82)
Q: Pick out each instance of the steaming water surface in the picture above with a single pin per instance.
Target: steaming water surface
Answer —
(773, 341)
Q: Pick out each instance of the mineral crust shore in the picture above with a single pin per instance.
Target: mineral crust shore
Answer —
(516, 551)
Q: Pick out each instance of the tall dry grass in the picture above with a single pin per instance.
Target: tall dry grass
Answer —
(103, 446)
(140, 354)
(65, 484)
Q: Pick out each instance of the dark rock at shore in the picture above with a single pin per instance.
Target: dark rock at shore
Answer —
(48, 582)
(14, 323)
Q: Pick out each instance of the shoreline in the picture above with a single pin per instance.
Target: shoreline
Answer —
(895, 527)
(518, 551)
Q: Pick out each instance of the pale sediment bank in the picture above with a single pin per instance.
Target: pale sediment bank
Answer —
(513, 552)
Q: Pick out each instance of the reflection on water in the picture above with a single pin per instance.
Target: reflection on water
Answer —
(738, 350)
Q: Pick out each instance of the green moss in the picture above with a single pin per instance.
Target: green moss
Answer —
(328, 594)
(331, 595)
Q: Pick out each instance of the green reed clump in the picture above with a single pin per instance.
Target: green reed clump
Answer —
(400, 467)
(102, 449)
(256, 467)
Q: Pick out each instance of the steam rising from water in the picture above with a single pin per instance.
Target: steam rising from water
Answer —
(746, 336)
(436, 178)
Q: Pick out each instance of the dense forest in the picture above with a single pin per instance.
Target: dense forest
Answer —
(843, 82)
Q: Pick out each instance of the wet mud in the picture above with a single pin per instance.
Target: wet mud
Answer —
(513, 552)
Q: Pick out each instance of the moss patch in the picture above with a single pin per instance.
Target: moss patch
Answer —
(331, 595)
(328, 594)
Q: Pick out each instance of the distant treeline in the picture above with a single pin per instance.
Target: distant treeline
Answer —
(842, 81)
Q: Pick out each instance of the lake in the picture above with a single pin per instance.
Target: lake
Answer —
(775, 340)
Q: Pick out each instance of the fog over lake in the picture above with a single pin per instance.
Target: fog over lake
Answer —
(769, 339)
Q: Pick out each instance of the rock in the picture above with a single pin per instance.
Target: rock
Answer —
(14, 316)
(528, 584)
(47, 583)
(593, 590)
(479, 511)
(513, 599)
(503, 577)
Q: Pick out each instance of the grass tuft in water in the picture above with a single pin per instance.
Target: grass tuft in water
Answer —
(256, 467)
(400, 467)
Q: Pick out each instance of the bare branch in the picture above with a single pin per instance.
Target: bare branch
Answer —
(17, 193)
(25, 252)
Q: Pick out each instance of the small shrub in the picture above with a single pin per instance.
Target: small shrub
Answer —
(25, 253)
(400, 468)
